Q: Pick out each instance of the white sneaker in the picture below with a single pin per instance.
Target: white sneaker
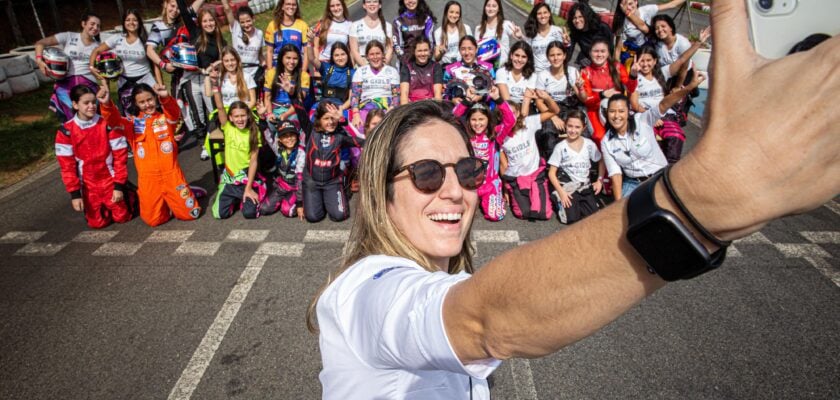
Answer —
(204, 155)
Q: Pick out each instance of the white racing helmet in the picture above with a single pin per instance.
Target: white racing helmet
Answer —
(57, 62)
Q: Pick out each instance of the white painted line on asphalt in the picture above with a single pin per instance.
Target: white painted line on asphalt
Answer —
(822, 265)
(523, 379)
(327, 236)
(192, 374)
(489, 236)
(833, 206)
(95, 236)
(169, 236)
(755, 238)
(247, 235)
(281, 249)
(202, 249)
(822, 237)
(733, 252)
(40, 249)
(802, 250)
(21, 237)
(117, 249)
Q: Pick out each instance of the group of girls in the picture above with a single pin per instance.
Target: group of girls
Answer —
(272, 93)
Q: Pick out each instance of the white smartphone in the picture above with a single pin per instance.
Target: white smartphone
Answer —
(777, 25)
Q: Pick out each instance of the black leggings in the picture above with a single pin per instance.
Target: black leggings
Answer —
(322, 199)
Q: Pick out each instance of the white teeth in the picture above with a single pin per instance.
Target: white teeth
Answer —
(445, 217)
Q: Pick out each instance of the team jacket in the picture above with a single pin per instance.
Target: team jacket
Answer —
(91, 151)
(151, 136)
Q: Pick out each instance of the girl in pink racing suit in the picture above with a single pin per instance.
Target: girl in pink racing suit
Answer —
(483, 130)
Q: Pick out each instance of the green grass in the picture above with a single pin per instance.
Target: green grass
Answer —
(25, 142)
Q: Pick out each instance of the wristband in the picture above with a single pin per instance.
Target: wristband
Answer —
(39, 57)
(162, 64)
(666, 179)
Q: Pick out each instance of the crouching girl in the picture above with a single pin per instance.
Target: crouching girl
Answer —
(93, 157)
(568, 172)
(162, 189)
(239, 186)
(322, 189)
(483, 129)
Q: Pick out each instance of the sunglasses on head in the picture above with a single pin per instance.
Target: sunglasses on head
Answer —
(428, 175)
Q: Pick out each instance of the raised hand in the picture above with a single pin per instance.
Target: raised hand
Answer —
(161, 90)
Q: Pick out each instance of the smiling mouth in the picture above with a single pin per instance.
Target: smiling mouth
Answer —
(446, 218)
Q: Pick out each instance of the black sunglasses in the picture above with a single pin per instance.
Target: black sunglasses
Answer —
(428, 175)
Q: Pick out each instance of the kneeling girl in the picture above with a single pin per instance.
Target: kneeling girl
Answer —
(568, 172)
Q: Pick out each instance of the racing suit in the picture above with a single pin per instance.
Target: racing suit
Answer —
(93, 158)
(162, 189)
(490, 192)
(321, 190)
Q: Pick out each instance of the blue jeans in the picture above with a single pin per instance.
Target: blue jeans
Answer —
(628, 186)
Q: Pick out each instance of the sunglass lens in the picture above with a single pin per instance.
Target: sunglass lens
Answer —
(470, 172)
(427, 176)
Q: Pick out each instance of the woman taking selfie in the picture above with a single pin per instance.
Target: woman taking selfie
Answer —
(402, 315)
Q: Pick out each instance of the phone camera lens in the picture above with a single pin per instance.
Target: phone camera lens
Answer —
(765, 5)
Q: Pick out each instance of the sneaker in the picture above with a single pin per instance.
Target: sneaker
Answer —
(198, 191)
(204, 155)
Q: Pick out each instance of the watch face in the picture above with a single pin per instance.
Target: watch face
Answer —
(667, 247)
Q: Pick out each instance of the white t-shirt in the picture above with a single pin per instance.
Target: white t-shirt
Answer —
(539, 44)
(229, 91)
(516, 88)
(248, 53)
(651, 92)
(635, 154)
(339, 32)
(382, 335)
(133, 55)
(79, 54)
(452, 38)
(504, 41)
(521, 149)
(556, 88)
(631, 32)
(669, 56)
(376, 85)
(365, 34)
(576, 164)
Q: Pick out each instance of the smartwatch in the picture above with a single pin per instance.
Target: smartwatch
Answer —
(663, 241)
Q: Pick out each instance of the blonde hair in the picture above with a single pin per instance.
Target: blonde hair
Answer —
(241, 87)
(373, 232)
(163, 15)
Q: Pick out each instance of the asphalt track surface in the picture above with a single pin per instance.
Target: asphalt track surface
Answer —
(215, 309)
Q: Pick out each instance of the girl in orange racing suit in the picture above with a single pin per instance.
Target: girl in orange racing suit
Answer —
(162, 189)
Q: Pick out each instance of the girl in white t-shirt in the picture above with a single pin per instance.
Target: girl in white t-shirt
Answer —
(568, 172)
(233, 83)
(375, 85)
(248, 41)
(631, 26)
(539, 32)
(449, 34)
(560, 80)
(131, 48)
(371, 27)
(523, 170)
(78, 48)
(517, 75)
(333, 27)
(493, 34)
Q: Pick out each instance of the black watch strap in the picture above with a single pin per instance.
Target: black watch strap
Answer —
(641, 204)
